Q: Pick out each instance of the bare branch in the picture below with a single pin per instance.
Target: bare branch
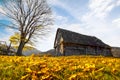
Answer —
(30, 17)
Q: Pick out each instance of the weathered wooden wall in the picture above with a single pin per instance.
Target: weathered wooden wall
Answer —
(57, 44)
(67, 49)
(116, 51)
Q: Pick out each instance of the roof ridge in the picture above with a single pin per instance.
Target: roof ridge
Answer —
(71, 36)
(75, 32)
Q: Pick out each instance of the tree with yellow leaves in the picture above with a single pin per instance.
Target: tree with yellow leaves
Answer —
(15, 39)
(31, 18)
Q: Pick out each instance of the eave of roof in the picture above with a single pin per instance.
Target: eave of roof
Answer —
(73, 37)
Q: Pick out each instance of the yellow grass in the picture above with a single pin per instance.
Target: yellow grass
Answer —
(59, 68)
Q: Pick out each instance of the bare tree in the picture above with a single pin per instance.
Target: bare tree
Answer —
(30, 17)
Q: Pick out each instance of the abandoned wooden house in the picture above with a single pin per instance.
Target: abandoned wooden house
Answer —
(72, 43)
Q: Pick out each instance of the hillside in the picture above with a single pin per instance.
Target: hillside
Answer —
(51, 52)
(59, 68)
(27, 50)
(31, 51)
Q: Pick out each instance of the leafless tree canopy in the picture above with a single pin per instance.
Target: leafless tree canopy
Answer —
(30, 17)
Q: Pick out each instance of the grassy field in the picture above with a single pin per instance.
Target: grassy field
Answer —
(59, 68)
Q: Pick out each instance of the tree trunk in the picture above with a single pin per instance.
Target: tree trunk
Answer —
(8, 48)
(20, 48)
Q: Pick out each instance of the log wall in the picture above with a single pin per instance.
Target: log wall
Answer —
(75, 49)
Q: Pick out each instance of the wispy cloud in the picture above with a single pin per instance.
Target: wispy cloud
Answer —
(2, 12)
(59, 19)
(96, 19)
(4, 36)
(100, 9)
(90, 17)
(75, 8)
(116, 22)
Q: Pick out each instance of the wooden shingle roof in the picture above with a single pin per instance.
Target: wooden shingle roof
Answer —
(73, 37)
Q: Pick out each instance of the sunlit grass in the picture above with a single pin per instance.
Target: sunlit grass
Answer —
(59, 68)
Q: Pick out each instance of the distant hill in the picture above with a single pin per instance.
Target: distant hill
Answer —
(51, 51)
(28, 50)
(31, 51)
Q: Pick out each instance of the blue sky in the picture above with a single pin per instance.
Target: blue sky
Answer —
(100, 18)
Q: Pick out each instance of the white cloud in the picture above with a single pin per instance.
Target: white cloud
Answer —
(94, 22)
(56, 3)
(73, 8)
(118, 3)
(99, 9)
(6, 35)
(1, 10)
(48, 42)
(96, 17)
(116, 22)
(98, 24)
(60, 19)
